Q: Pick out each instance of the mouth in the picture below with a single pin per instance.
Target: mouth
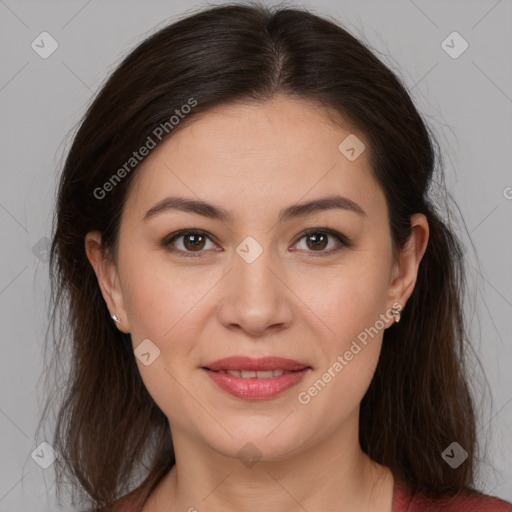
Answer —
(256, 379)
(245, 363)
(250, 374)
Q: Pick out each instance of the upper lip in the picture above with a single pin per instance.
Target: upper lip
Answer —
(260, 364)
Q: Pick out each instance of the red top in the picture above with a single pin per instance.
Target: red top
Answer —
(402, 502)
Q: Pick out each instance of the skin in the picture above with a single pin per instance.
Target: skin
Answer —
(292, 301)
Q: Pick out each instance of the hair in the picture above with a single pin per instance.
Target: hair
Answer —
(108, 427)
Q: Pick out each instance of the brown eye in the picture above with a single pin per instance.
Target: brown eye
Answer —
(188, 241)
(318, 240)
(193, 241)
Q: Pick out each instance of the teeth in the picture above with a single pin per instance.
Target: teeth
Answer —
(247, 374)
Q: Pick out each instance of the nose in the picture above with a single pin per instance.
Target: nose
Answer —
(256, 297)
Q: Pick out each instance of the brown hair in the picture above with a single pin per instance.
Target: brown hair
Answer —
(108, 426)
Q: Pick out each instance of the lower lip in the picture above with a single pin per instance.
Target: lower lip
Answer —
(254, 388)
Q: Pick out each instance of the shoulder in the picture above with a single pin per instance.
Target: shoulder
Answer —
(464, 502)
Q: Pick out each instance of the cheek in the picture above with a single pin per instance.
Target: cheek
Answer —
(337, 389)
(350, 305)
(164, 309)
(349, 301)
(161, 298)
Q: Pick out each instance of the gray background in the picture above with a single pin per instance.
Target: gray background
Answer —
(467, 101)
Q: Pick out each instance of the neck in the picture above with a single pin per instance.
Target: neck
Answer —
(332, 475)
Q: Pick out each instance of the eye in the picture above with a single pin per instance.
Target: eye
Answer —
(191, 241)
(194, 241)
(318, 239)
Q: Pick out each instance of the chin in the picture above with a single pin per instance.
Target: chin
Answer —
(258, 442)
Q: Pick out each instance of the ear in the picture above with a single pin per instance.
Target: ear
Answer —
(106, 273)
(405, 271)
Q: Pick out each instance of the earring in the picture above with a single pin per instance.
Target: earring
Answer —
(116, 319)
(396, 315)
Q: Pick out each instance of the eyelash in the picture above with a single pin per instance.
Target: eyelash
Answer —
(343, 240)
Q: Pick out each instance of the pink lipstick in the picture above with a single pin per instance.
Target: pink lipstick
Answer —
(256, 379)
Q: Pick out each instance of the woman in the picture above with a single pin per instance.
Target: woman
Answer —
(265, 304)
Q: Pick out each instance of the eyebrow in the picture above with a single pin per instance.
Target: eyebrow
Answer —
(217, 213)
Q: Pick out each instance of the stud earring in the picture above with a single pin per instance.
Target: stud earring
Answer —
(115, 318)
(396, 315)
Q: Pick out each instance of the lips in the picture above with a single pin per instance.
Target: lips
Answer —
(256, 379)
(248, 364)
(248, 374)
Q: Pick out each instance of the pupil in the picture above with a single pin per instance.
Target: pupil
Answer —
(195, 244)
(316, 242)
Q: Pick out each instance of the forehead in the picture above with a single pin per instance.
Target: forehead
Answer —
(256, 155)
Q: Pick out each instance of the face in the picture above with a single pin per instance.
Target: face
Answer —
(315, 285)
